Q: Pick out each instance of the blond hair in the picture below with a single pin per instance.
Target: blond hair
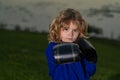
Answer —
(63, 19)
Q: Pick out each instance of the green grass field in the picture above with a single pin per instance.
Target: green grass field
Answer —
(22, 57)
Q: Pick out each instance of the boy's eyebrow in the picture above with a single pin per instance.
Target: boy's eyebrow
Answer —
(66, 26)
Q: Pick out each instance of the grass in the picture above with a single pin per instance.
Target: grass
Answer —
(22, 57)
(108, 59)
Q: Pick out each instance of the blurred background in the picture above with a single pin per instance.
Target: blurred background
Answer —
(24, 27)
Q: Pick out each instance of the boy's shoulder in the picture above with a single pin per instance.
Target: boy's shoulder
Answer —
(51, 44)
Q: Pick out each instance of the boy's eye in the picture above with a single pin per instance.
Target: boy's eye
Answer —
(65, 29)
(76, 30)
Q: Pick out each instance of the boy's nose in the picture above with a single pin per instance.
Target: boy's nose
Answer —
(70, 33)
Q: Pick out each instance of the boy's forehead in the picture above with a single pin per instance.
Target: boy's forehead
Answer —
(68, 24)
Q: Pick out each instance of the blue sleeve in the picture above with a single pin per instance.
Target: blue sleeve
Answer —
(50, 58)
(89, 67)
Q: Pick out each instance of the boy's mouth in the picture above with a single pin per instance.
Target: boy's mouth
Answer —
(69, 38)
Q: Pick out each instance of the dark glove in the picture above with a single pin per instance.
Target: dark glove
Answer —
(87, 49)
(66, 53)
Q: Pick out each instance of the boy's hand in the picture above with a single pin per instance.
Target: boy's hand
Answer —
(87, 49)
(66, 53)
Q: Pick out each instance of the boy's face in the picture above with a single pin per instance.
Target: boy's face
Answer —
(69, 34)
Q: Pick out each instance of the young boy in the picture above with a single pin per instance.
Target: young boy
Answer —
(68, 26)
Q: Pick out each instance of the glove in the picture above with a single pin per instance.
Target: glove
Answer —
(66, 53)
(87, 49)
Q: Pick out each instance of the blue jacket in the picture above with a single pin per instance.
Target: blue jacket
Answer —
(81, 70)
